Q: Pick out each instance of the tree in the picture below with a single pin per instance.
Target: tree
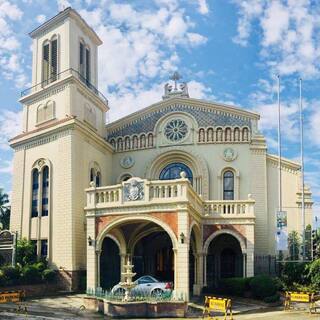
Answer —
(4, 210)
(294, 243)
(308, 242)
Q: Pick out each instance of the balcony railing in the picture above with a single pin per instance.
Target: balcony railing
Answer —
(63, 75)
(141, 192)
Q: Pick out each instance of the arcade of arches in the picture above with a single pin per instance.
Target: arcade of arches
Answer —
(155, 250)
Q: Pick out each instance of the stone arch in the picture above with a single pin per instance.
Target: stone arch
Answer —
(136, 218)
(237, 236)
(197, 231)
(195, 161)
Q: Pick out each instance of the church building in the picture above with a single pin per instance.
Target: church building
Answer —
(184, 188)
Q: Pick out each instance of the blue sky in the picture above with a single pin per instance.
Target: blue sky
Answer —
(228, 50)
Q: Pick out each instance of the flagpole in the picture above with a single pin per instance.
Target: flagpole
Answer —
(302, 174)
(279, 147)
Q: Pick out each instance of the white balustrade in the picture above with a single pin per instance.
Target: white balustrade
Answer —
(170, 191)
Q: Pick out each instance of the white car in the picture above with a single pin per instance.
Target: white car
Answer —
(146, 286)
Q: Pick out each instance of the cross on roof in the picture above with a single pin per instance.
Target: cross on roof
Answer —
(175, 77)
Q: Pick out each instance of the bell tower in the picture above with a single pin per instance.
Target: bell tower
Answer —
(64, 74)
(61, 143)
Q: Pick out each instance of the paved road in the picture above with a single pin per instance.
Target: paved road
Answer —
(71, 308)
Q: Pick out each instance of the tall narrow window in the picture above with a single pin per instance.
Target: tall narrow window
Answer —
(88, 65)
(228, 185)
(35, 193)
(54, 60)
(98, 179)
(81, 59)
(44, 248)
(45, 192)
(46, 63)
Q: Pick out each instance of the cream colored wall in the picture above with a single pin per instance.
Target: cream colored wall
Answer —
(84, 153)
(290, 187)
(70, 157)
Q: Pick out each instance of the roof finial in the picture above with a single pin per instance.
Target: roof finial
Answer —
(175, 77)
(171, 92)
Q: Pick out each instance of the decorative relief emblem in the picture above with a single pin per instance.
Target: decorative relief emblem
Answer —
(127, 162)
(133, 190)
(229, 154)
(176, 130)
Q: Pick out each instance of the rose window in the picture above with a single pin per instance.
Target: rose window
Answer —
(176, 130)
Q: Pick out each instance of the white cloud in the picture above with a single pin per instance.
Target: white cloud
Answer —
(10, 126)
(203, 7)
(6, 167)
(289, 33)
(41, 18)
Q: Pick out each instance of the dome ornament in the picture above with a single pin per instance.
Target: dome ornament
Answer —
(180, 90)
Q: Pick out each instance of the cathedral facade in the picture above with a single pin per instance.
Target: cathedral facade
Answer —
(184, 188)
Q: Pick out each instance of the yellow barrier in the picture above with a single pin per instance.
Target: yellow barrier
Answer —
(302, 297)
(11, 296)
(218, 305)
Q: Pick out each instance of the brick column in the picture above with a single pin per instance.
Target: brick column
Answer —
(250, 250)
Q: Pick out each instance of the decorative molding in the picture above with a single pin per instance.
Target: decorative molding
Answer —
(229, 154)
(127, 162)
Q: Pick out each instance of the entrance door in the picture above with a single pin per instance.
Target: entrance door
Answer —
(228, 263)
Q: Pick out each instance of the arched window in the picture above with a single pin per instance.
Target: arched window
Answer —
(219, 134)
(150, 140)
(127, 143)
(125, 177)
(228, 185)
(245, 134)
(201, 135)
(119, 144)
(95, 175)
(236, 134)
(173, 170)
(228, 134)
(45, 191)
(210, 135)
(50, 61)
(92, 174)
(142, 141)
(135, 142)
(35, 193)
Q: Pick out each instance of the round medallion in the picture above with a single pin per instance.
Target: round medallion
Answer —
(176, 130)
(229, 154)
(127, 162)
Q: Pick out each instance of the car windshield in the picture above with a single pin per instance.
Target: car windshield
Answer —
(147, 279)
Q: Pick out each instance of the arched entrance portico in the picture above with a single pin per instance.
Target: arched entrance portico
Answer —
(224, 258)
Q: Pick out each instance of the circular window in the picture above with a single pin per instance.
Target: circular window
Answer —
(176, 130)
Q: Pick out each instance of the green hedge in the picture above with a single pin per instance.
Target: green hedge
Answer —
(263, 286)
(29, 274)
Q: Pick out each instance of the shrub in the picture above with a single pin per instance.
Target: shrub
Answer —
(40, 266)
(11, 275)
(263, 286)
(25, 252)
(31, 275)
(3, 281)
(48, 275)
(233, 286)
(272, 299)
(314, 274)
(294, 272)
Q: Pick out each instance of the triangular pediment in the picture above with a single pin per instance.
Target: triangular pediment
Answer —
(206, 114)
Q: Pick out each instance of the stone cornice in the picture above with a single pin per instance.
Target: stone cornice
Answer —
(219, 107)
(286, 163)
(54, 131)
(61, 85)
(61, 16)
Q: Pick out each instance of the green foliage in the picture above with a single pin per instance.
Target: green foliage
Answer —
(307, 235)
(48, 275)
(4, 210)
(31, 275)
(263, 286)
(294, 272)
(294, 243)
(272, 299)
(25, 252)
(314, 274)
(11, 275)
(234, 286)
(41, 266)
